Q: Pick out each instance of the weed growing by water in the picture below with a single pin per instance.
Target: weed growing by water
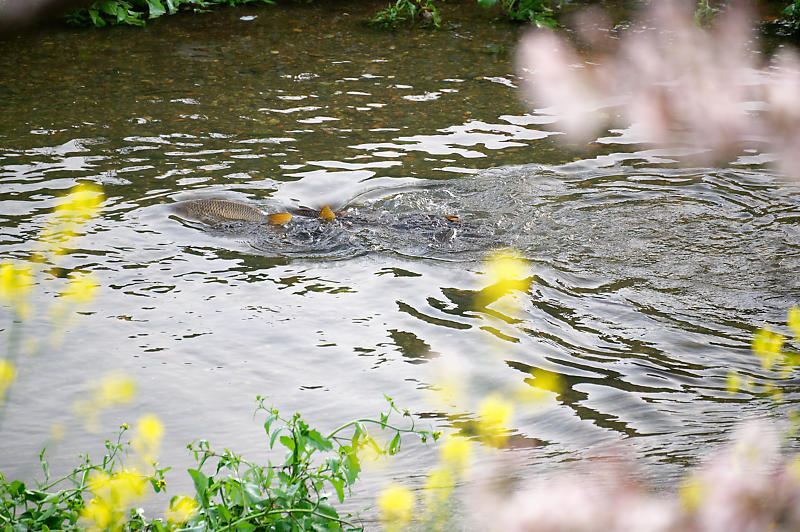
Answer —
(537, 12)
(414, 11)
(791, 15)
(231, 492)
(136, 12)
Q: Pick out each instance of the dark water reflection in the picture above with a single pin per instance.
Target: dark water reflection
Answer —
(646, 281)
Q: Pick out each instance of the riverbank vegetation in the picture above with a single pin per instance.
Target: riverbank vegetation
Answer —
(542, 13)
(231, 492)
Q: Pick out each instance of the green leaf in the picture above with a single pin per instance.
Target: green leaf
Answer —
(97, 19)
(487, 3)
(200, 483)
(224, 513)
(273, 437)
(156, 8)
(318, 441)
(16, 488)
(338, 485)
(288, 442)
(351, 467)
(394, 446)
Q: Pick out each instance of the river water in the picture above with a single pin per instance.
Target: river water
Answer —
(647, 280)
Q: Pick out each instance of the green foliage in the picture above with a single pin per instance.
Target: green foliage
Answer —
(231, 493)
(705, 13)
(57, 504)
(412, 10)
(136, 12)
(791, 15)
(538, 12)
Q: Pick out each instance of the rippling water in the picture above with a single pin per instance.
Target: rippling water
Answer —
(646, 280)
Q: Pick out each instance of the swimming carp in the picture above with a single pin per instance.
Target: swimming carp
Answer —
(225, 210)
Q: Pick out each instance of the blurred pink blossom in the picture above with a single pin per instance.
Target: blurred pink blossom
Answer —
(747, 487)
(677, 83)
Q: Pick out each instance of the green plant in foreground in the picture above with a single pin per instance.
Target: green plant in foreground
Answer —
(61, 504)
(537, 12)
(403, 10)
(135, 12)
(232, 494)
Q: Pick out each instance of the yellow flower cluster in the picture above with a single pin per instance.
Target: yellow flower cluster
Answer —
(113, 495)
(16, 281)
(507, 271)
(767, 346)
(455, 455)
(81, 204)
(180, 510)
(147, 439)
(494, 414)
(112, 390)
(396, 504)
(7, 375)
(18, 278)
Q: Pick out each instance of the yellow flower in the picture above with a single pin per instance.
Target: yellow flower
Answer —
(691, 494)
(126, 487)
(112, 390)
(794, 322)
(438, 488)
(545, 384)
(98, 480)
(151, 428)
(455, 453)
(767, 347)
(16, 281)
(733, 382)
(7, 375)
(82, 203)
(495, 413)
(98, 514)
(370, 453)
(396, 504)
(794, 468)
(181, 509)
(449, 391)
(114, 495)
(57, 432)
(506, 270)
(81, 287)
(148, 437)
(506, 264)
(115, 389)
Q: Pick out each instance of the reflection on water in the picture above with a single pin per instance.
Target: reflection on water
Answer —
(646, 281)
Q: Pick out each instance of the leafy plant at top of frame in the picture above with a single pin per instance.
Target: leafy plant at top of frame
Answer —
(538, 12)
(136, 12)
(408, 10)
